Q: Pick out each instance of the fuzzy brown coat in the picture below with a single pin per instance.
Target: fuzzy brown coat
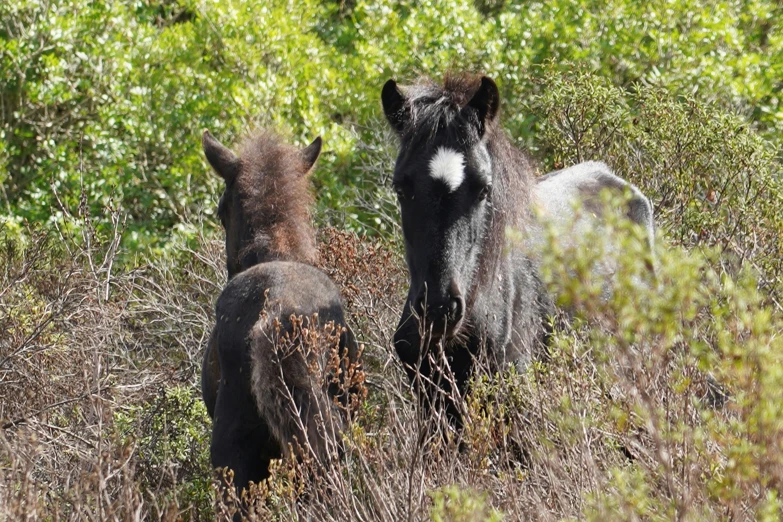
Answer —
(275, 369)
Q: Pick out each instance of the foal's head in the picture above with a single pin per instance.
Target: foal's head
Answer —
(452, 184)
(264, 208)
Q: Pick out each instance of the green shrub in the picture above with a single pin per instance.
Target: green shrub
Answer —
(170, 435)
(713, 181)
(451, 504)
(684, 379)
(110, 99)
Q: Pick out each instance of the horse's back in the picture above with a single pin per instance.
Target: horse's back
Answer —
(558, 194)
(281, 289)
(289, 287)
(571, 201)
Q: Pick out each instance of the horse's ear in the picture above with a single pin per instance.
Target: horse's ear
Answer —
(311, 152)
(225, 162)
(485, 102)
(394, 106)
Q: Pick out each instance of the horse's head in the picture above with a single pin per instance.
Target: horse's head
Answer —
(265, 204)
(444, 182)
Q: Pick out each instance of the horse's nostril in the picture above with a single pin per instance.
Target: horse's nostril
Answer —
(456, 308)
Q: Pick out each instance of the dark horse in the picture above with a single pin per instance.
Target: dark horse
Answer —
(460, 185)
(261, 399)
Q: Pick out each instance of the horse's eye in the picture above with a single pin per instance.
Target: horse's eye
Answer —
(400, 192)
(484, 192)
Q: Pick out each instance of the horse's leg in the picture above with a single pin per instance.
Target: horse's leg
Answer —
(240, 438)
(408, 345)
(431, 374)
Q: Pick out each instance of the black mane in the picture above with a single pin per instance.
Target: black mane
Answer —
(436, 108)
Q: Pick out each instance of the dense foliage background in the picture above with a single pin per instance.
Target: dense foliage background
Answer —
(111, 97)
(664, 402)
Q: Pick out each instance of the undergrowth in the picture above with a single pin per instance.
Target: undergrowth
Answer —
(662, 400)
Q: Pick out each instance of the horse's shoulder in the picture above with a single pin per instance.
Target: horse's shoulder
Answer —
(279, 289)
(280, 274)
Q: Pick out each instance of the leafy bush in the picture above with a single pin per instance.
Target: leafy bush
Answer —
(110, 99)
(451, 504)
(170, 435)
(712, 180)
(684, 372)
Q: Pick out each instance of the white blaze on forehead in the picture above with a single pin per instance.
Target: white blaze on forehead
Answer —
(448, 165)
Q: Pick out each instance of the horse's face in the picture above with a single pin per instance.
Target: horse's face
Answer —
(246, 228)
(444, 188)
(444, 192)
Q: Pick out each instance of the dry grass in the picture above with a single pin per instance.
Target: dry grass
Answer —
(102, 419)
(85, 344)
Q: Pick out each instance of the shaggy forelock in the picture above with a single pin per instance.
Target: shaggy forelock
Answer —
(437, 108)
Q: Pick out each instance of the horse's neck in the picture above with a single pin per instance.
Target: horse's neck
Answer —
(284, 244)
(500, 297)
(296, 245)
(489, 297)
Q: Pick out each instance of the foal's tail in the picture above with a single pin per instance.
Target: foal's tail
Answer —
(288, 388)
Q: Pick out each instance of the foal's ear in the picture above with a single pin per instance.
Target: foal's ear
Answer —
(485, 102)
(310, 153)
(394, 106)
(225, 162)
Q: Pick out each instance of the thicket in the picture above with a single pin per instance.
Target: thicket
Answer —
(111, 97)
(662, 402)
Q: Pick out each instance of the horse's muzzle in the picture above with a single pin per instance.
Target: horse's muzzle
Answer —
(441, 317)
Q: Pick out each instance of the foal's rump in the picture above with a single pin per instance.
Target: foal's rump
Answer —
(295, 344)
(572, 201)
(293, 362)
